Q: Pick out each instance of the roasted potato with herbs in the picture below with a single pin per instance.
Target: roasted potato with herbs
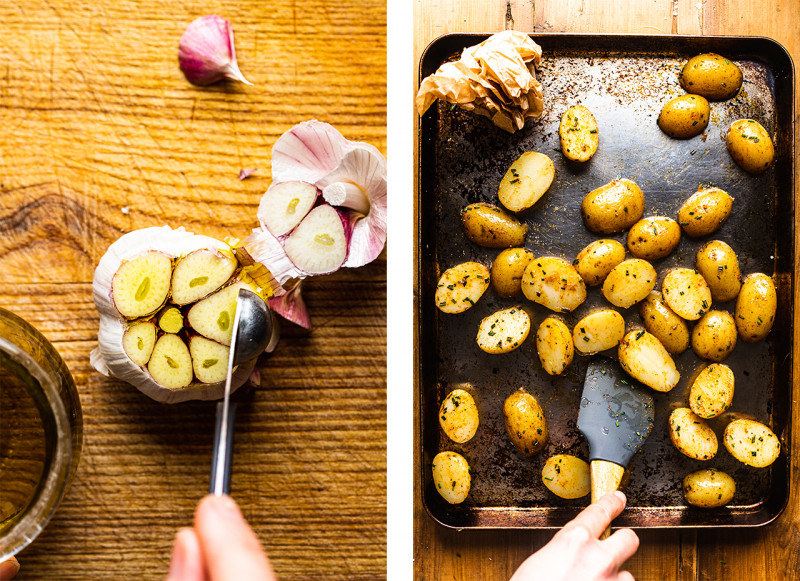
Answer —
(504, 330)
(566, 476)
(751, 443)
(708, 488)
(451, 476)
(458, 416)
(525, 422)
(712, 391)
(629, 282)
(461, 286)
(614, 207)
(714, 336)
(705, 211)
(686, 292)
(712, 76)
(507, 271)
(598, 331)
(554, 346)
(691, 435)
(528, 178)
(645, 359)
(661, 321)
(755, 307)
(490, 226)
(719, 266)
(750, 146)
(553, 283)
(684, 117)
(578, 133)
(653, 237)
(596, 260)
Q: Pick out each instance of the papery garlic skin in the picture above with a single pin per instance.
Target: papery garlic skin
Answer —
(292, 307)
(206, 52)
(109, 358)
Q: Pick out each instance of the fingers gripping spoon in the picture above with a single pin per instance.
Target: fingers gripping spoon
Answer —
(616, 418)
(254, 331)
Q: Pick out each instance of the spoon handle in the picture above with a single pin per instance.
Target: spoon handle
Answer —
(222, 486)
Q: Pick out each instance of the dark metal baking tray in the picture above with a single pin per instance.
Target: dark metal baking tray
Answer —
(624, 80)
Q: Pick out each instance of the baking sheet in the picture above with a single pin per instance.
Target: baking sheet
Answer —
(624, 80)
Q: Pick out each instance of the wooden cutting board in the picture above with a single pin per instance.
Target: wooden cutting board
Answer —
(103, 135)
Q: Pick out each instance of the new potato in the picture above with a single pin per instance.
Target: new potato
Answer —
(705, 211)
(661, 321)
(613, 207)
(554, 346)
(629, 282)
(525, 422)
(507, 271)
(755, 307)
(504, 330)
(686, 293)
(691, 434)
(566, 476)
(712, 391)
(714, 336)
(596, 260)
(461, 286)
(711, 75)
(708, 488)
(719, 266)
(653, 237)
(528, 178)
(578, 133)
(750, 145)
(685, 116)
(451, 476)
(645, 359)
(751, 442)
(458, 416)
(553, 283)
(598, 331)
(490, 226)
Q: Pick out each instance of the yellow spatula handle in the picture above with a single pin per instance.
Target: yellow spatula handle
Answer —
(606, 477)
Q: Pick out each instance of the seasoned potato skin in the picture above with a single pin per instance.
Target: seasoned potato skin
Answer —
(686, 292)
(566, 476)
(578, 133)
(461, 286)
(661, 321)
(755, 307)
(717, 262)
(708, 488)
(598, 331)
(691, 435)
(596, 260)
(493, 227)
(685, 116)
(653, 237)
(527, 180)
(705, 211)
(750, 146)
(504, 330)
(712, 391)
(507, 271)
(458, 416)
(751, 443)
(714, 336)
(553, 283)
(711, 75)
(451, 476)
(644, 358)
(629, 282)
(525, 422)
(614, 207)
(554, 345)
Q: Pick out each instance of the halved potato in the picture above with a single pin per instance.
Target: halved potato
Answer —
(451, 476)
(566, 476)
(629, 282)
(458, 416)
(712, 391)
(578, 133)
(528, 178)
(598, 331)
(553, 283)
(645, 359)
(751, 442)
(504, 330)
(554, 346)
(461, 286)
(686, 293)
(691, 434)
(669, 328)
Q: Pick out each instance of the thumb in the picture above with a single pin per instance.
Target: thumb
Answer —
(231, 549)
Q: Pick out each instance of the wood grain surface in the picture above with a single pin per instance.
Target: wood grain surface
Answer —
(103, 135)
(769, 553)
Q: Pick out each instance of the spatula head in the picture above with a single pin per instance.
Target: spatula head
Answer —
(616, 413)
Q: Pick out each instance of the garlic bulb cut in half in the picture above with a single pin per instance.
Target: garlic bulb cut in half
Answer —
(167, 300)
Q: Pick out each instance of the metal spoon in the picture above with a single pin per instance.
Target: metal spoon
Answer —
(254, 331)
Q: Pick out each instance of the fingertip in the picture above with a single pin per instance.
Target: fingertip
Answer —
(187, 560)
(621, 497)
(9, 568)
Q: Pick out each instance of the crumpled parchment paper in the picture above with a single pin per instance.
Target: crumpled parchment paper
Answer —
(496, 79)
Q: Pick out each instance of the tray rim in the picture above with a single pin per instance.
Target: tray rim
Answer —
(465, 39)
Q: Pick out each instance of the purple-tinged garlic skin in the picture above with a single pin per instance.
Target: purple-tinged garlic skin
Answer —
(206, 53)
(291, 307)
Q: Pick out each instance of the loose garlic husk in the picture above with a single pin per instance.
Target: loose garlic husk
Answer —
(154, 288)
(206, 53)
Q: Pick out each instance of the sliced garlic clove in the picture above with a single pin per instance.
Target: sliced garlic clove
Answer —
(319, 244)
(170, 320)
(170, 364)
(138, 341)
(200, 273)
(213, 316)
(209, 359)
(285, 204)
(141, 285)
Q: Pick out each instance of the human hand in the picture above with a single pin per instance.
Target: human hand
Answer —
(220, 547)
(575, 552)
(8, 569)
